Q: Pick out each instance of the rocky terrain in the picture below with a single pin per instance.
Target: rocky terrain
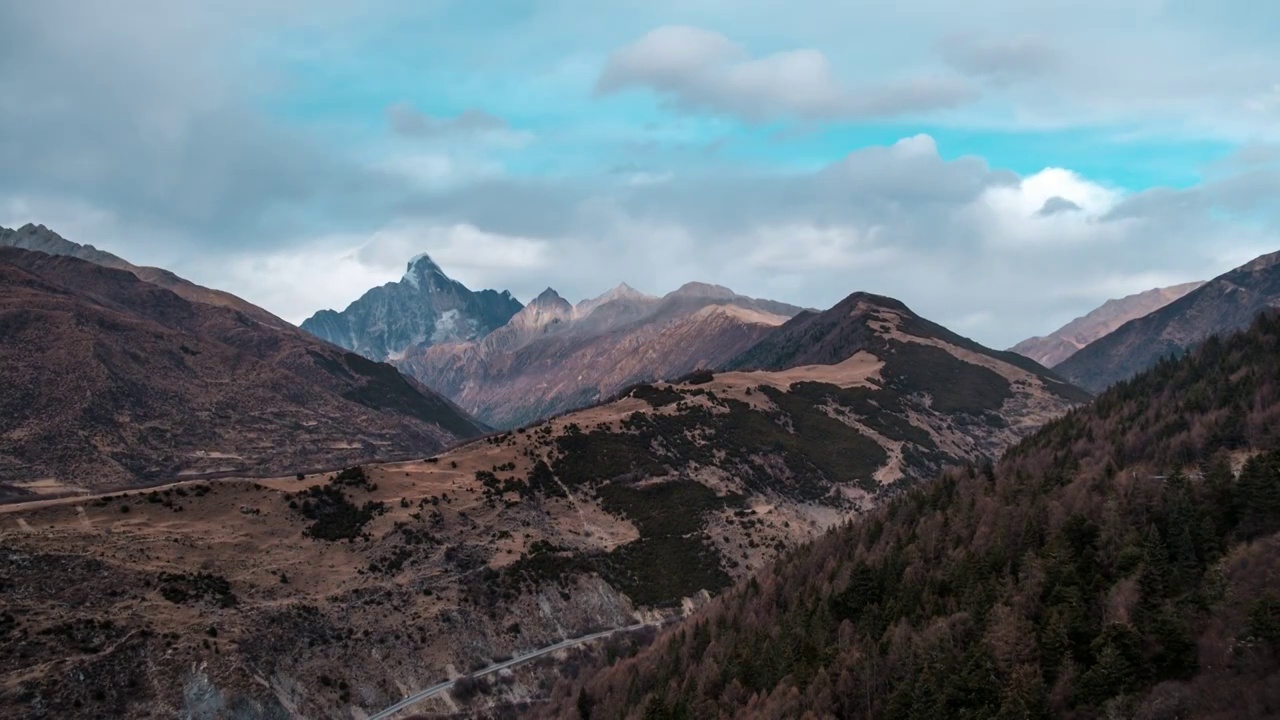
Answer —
(553, 357)
(1228, 303)
(424, 308)
(1057, 346)
(110, 380)
(333, 596)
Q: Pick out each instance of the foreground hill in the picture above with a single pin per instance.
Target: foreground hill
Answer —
(112, 380)
(1057, 346)
(553, 357)
(1227, 303)
(42, 239)
(424, 308)
(1122, 562)
(335, 595)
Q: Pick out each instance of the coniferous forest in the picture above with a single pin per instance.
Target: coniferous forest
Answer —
(1122, 562)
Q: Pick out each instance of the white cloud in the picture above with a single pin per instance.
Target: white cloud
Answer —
(1015, 217)
(331, 271)
(704, 70)
(960, 242)
(801, 248)
(439, 170)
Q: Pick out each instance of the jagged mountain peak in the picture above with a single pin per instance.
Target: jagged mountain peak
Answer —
(547, 307)
(426, 307)
(422, 267)
(624, 291)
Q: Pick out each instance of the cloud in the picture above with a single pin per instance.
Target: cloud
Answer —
(331, 271)
(698, 69)
(803, 248)
(956, 239)
(249, 144)
(136, 109)
(1055, 205)
(409, 121)
(1001, 60)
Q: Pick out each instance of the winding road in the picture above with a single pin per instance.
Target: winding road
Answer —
(437, 689)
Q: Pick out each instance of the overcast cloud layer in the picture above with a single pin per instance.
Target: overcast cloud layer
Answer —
(1001, 167)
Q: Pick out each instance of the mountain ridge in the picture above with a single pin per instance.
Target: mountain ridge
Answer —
(1225, 304)
(553, 357)
(114, 380)
(1052, 349)
(42, 239)
(1099, 569)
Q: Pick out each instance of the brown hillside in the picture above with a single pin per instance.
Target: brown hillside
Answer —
(110, 380)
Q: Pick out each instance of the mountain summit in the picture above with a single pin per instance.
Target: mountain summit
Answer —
(422, 268)
(424, 308)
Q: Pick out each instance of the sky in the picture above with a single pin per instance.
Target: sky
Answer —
(1001, 166)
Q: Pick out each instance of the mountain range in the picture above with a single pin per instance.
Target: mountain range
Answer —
(42, 239)
(627, 511)
(553, 356)
(844, 512)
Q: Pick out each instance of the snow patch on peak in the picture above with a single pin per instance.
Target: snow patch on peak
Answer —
(419, 266)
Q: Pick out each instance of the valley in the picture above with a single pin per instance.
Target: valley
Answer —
(691, 360)
(636, 510)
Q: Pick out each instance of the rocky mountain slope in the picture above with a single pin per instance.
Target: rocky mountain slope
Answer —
(365, 585)
(553, 356)
(1119, 563)
(42, 239)
(1225, 304)
(112, 380)
(424, 308)
(1052, 349)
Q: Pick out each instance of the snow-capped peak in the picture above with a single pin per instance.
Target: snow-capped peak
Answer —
(420, 266)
